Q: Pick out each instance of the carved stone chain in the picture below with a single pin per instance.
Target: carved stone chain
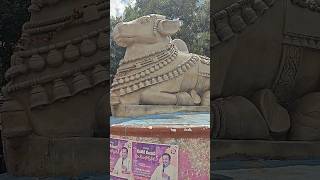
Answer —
(147, 65)
(129, 87)
(169, 47)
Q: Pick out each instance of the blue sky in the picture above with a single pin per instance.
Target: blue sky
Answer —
(117, 6)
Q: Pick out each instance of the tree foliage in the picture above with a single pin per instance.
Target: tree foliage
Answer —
(13, 14)
(195, 31)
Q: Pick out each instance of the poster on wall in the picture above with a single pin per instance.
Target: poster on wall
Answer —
(154, 161)
(120, 159)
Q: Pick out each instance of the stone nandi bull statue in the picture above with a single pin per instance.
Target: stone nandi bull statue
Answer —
(155, 71)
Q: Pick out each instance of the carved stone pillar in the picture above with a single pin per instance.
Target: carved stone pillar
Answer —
(55, 99)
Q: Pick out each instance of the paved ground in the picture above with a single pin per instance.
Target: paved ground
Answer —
(267, 170)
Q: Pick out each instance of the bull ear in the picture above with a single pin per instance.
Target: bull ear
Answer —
(169, 27)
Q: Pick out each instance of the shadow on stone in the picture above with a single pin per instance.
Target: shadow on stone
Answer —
(221, 177)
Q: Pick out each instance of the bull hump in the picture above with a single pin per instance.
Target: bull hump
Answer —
(181, 45)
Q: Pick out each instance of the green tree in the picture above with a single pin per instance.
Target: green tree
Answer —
(195, 15)
(13, 14)
(116, 52)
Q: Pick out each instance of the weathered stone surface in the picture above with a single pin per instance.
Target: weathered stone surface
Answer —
(256, 50)
(58, 81)
(154, 71)
(276, 116)
(237, 118)
(43, 156)
(257, 149)
(306, 118)
(283, 172)
(14, 120)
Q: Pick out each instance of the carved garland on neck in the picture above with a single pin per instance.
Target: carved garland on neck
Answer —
(147, 65)
(129, 87)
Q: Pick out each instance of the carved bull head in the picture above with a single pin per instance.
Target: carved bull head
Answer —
(146, 29)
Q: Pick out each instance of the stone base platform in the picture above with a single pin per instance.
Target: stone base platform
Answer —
(50, 157)
(140, 110)
(260, 149)
(190, 131)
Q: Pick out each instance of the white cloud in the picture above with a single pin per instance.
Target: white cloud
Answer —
(118, 6)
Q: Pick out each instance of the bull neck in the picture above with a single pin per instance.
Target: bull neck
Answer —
(147, 53)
